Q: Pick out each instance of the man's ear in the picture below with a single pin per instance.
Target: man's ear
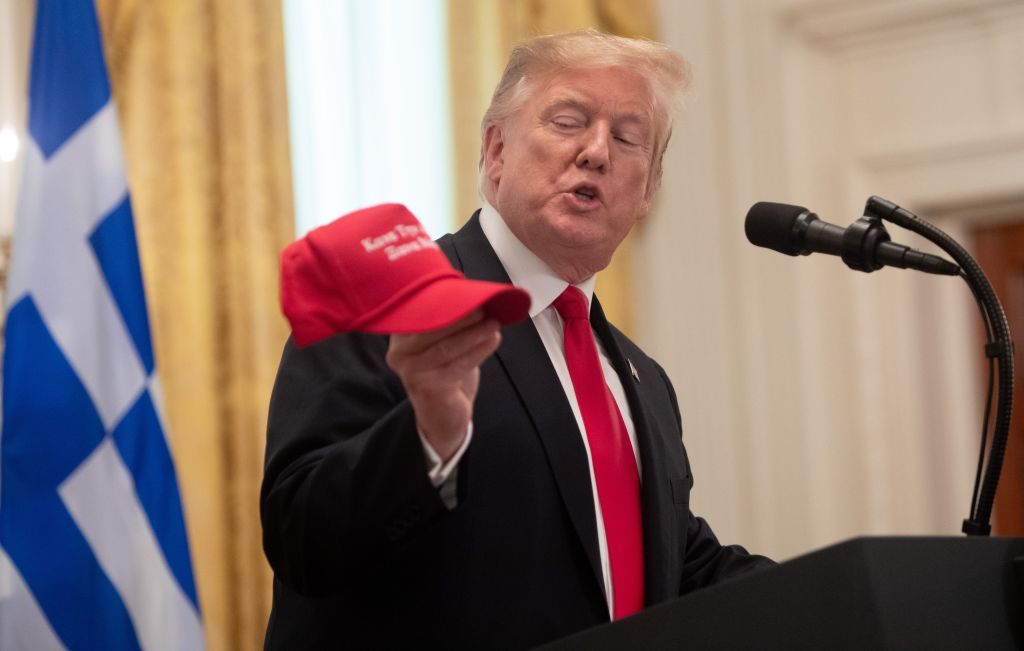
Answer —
(494, 153)
(654, 182)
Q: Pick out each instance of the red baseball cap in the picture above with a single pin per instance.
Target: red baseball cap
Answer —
(376, 270)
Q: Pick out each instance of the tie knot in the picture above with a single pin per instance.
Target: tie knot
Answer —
(572, 304)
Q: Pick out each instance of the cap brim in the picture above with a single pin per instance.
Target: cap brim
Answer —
(444, 302)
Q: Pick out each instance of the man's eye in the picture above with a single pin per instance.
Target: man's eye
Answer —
(566, 123)
(627, 140)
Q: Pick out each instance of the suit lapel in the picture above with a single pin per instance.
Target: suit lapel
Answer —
(660, 548)
(528, 366)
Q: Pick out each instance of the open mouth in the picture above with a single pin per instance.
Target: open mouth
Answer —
(585, 193)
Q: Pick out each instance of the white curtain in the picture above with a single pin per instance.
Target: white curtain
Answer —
(369, 108)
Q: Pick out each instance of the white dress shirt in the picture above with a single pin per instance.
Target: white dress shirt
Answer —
(532, 274)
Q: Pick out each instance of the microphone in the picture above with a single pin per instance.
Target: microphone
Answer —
(864, 245)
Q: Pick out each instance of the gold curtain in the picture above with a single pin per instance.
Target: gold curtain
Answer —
(200, 88)
(481, 34)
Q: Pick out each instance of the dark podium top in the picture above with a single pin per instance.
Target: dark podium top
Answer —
(866, 593)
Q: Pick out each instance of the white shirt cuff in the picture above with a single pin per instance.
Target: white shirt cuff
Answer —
(438, 471)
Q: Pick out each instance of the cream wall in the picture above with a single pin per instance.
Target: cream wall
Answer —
(821, 403)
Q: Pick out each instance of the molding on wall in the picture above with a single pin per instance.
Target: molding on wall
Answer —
(1002, 210)
(965, 175)
(974, 160)
(996, 146)
(849, 24)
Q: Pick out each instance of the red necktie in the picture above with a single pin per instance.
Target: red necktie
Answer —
(618, 483)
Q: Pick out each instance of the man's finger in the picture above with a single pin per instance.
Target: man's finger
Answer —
(446, 351)
(422, 340)
(476, 354)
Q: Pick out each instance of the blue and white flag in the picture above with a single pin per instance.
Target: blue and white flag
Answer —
(93, 551)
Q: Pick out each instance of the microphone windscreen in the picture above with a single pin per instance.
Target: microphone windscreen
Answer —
(771, 225)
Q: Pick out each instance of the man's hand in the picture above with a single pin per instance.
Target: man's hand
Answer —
(441, 373)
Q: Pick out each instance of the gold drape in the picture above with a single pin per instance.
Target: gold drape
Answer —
(200, 88)
(481, 33)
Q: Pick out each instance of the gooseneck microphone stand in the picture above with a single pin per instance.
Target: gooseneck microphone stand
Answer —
(998, 349)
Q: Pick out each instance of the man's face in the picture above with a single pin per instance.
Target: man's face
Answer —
(572, 169)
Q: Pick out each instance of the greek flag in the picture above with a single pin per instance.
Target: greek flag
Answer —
(93, 552)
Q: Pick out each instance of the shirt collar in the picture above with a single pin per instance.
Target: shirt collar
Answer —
(524, 268)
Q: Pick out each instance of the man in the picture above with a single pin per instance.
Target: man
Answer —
(476, 488)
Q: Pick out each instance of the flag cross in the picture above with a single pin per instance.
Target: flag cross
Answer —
(93, 550)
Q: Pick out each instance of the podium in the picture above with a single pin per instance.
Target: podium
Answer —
(866, 593)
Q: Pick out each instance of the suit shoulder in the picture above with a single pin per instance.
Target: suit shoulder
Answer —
(447, 245)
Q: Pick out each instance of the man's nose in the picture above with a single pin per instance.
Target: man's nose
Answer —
(594, 149)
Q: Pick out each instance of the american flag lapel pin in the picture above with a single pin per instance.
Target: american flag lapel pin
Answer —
(632, 369)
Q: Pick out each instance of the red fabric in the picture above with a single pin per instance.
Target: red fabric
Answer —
(615, 471)
(377, 270)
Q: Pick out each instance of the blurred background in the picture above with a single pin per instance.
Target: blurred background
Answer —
(818, 403)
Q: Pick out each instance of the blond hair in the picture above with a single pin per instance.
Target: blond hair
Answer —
(539, 58)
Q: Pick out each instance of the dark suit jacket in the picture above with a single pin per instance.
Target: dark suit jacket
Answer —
(366, 555)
